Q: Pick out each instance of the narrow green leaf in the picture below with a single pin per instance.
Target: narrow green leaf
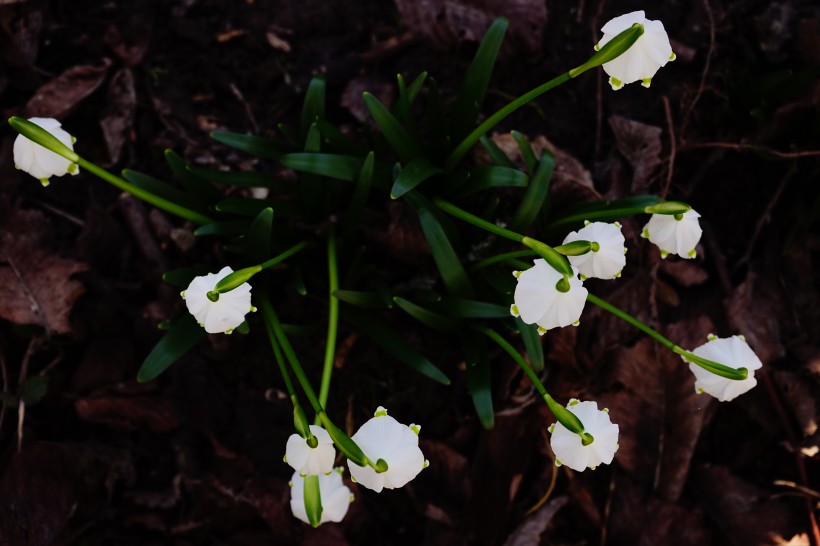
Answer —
(497, 155)
(227, 227)
(407, 95)
(414, 88)
(369, 300)
(298, 281)
(157, 187)
(485, 177)
(464, 308)
(425, 316)
(245, 206)
(180, 338)
(603, 211)
(536, 194)
(413, 174)
(405, 146)
(257, 244)
(313, 500)
(314, 106)
(391, 342)
(355, 210)
(182, 277)
(472, 92)
(249, 179)
(254, 145)
(198, 188)
(478, 376)
(310, 184)
(532, 343)
(526, 151)
(340, 167)
(337, 140)
(436, 120)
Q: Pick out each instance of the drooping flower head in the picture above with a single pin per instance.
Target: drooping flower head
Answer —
(568, 446)
(336, 496)
(647, 55)
(310, 461)
(610, 258)
(40, 162)
(733, 352)
(674, 233)
(382, 437)
(539, 301)
(224, 314)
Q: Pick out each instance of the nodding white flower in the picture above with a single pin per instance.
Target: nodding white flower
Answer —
(224, 314)
(538, 300)
(647, 55)
(336, 496)
(40, 162)
(310, 461)
(674, 233)
(610, 258)
(733, 352)
(570, 450)
(382, 437)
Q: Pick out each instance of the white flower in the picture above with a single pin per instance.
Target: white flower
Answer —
(336, 496)
(610, 258)
(538, 300)
(567, 445)
(673, 235)
(310, 461)
(733, 352)
(40, 162)
(382, 437)
(641, 61)
(222, 315)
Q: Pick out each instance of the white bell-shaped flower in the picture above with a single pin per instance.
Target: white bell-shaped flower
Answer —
(40, 162)
(224, 314)
(733, 352)
(610, 258)
(647, 55)
(538, 300)
(570, 450)
(310, 461)
(336, 496)
(382, 437)
(674, 234)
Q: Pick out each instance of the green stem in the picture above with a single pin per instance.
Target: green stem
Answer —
(333, 317)
(607, 214)
(501, 258)
(716, 368)
(146, 196)
(284, 255)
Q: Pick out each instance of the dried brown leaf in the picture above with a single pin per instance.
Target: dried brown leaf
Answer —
(641, 145)
(531, 529)
(60, 96)
(118, 113)
(756, 310)
(130, 412)
(684, 272)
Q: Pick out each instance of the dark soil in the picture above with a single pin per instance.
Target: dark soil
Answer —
(90, 456)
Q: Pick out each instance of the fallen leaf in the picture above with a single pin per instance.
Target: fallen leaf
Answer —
(130, 49)
(60, 96)
(155, 413)
(118, 112)
(352, 95)
(20, 31)
(531, 529)
(641, 145)
(684, 272)
(756, 310)
(798, 395)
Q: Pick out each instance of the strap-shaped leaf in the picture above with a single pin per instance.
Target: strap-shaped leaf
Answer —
(536, 195)
(405, 146)
(485, 177)
(368, 300)
(254, 145)
(472, 92)
(182, 277)
(436, 121)
(310, 184)
(340, 167)
(602, 211)
(257, 245)
(157, 187)
(526, 151)
(425, 316)
(413, 174)
(532, 343)
(478, 376)
(244, 206)
(338, 141)
(250, 179)
(180, 338)
(464, 308)
(197, 187)
(407, 95)
(227, 227)
(355, 210)
(314, 106)
(497, 155)
(390, 341)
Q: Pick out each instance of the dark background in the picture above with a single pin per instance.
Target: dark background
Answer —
(732, 126)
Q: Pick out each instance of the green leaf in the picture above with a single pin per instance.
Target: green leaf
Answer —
(407, 95)
(413, 174)
(602, 211)
(257, 243)
(157, 187)
(497, 155)
(472, 92)
(390, 341)
(526, 151)
(478, 376)
(436, 120)
(249, 179)
(310, 185)
(180, 338)
(340, 167)
(485, 177)
(405, 146)
(536, 194)
(337, 139)
(532, 343)
(313, 500)
(246, 206)
(33, 389)
(260, 147)
(371, 300)
(227, 227)
(314, 106)
(464, 308)
(425, 316)
(182, 277)
(355, 210)
(197, 187)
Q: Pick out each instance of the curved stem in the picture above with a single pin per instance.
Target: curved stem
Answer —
(333, 317)
(462, 214)
(716, 368)
(481, 264)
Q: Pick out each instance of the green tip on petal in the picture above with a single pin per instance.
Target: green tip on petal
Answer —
(182, 294)
(514, 310)
(516, 274)
(253, 309)
(541, 331)
(672, 57)
(617, 275)
(615, 83)
(73, 139)
(551, 428)
(380, 412)
(711, 337)
(577, 322)
(583, 277)
(699, 390)
(587, 222)
(692, 253)
(664, 254)
(426, 464)
(45, 182)
(596, 47)
(645, 233)
(353, 478)
(606, 410)
(351, 498)
(646, 82)
(558, 463)
(742, 337)
(618, 225)
(73, 168)
(415, 428)
(573, 402)
(229, 331)
(285, 459)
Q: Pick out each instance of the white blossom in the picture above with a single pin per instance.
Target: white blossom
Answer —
(336, 496)
(538, 300)
(673, 235)
(733, 352)
(310, 461)
(382, 437)
(647, 55)
(610, 258)
(223, 315)
(570, 450)
(40, 162)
